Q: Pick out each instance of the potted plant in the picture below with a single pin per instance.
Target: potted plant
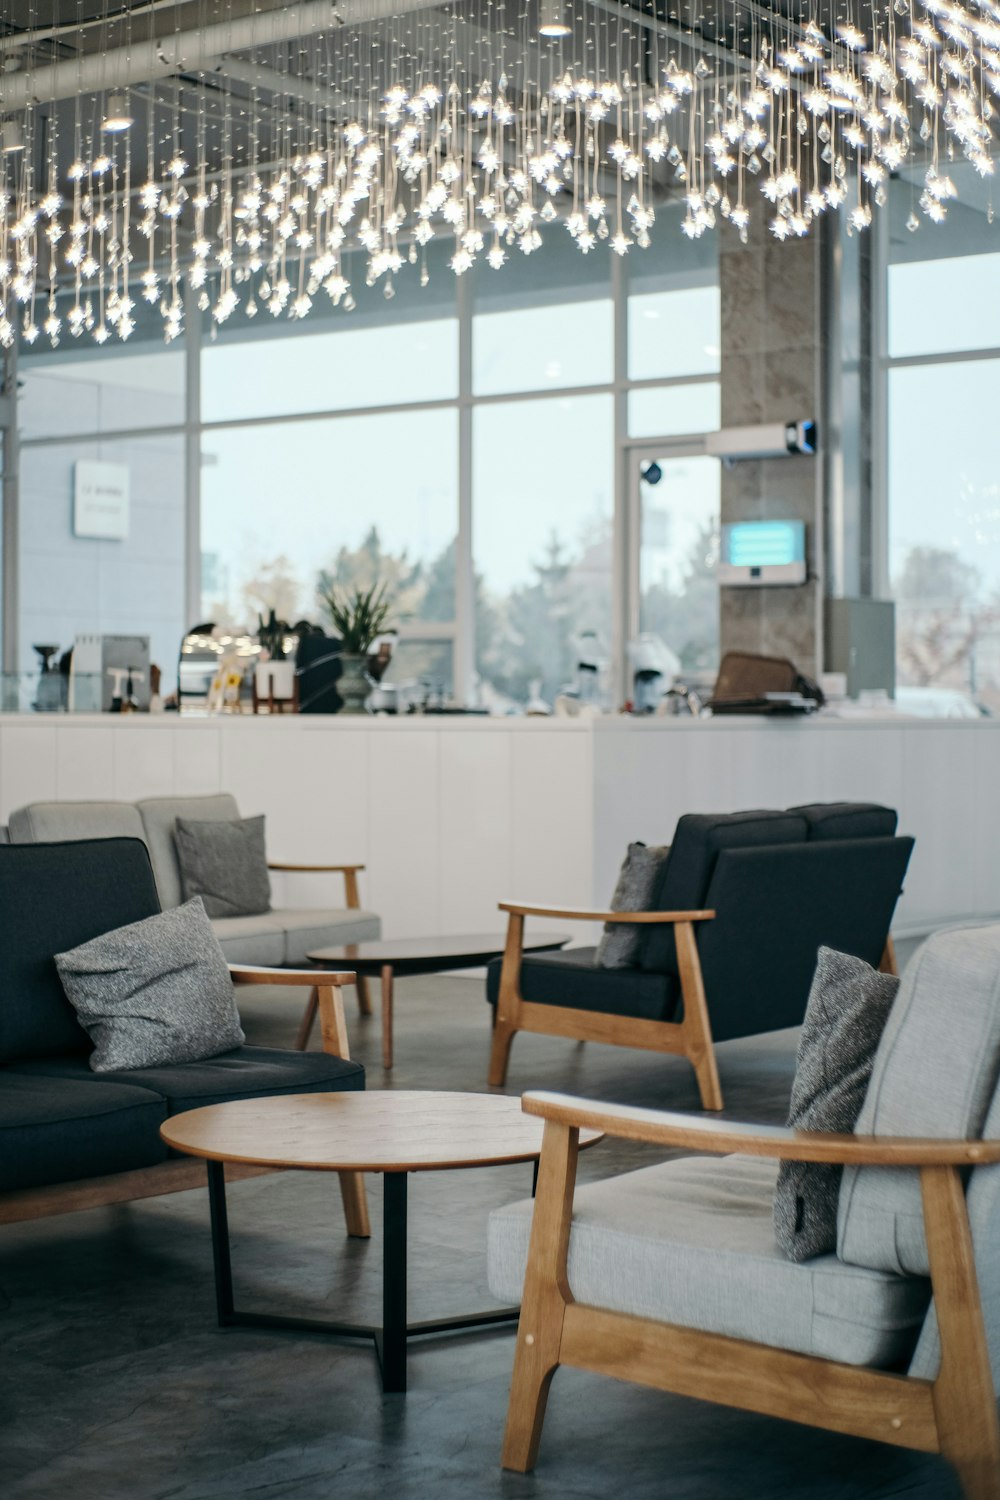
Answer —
(275, 672)
(358, 617)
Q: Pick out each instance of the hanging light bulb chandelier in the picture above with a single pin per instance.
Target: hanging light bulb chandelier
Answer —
(279, 173)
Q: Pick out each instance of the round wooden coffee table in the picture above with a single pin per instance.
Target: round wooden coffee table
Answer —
(433, 955)
(394, 1133)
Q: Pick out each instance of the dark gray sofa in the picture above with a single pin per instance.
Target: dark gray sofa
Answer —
(70, 1137)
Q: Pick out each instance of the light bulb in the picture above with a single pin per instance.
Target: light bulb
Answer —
(552, 19)
(118, 116)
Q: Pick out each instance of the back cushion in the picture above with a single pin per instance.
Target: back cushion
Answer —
(935, 1074)
(59, 822)
(159, 819)
(53, 897)
(848, 820)
(688, 871)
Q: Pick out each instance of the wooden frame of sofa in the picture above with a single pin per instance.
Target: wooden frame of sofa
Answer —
(954, 1415)
(174, 1176)
(691, 1037)
(352, 900)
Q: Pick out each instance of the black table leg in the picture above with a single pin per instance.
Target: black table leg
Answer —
(220, 1243)
(392, 1346)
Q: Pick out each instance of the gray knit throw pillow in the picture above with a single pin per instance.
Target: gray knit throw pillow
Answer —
(223, 861)
(619, 946)
(849, 1004)
(156, 991)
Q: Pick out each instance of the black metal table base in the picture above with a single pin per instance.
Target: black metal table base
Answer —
(390, 1340)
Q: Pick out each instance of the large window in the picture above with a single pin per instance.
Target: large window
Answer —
(942, 394)
(456, 442)
(543, 497)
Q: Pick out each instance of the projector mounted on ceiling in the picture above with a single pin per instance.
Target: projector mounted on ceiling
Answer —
(766, 440)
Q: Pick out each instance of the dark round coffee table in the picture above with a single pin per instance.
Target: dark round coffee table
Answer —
(433, 955)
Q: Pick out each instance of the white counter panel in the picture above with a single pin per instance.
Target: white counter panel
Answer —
(452, 815)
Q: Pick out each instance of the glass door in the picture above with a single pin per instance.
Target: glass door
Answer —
(674, 592)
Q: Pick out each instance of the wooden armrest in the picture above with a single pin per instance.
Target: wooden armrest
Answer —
(722, 1136)
(517, 909)
(314, 869)
(257, 974)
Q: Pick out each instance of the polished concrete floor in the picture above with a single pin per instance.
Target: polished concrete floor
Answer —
(115, 1383)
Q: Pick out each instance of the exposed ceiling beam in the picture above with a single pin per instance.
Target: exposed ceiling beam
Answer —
(189, 51)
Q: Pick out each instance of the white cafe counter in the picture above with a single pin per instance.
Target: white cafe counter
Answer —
(451, 815)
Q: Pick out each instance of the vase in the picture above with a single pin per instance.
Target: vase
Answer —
(277, 674)
(353, 684)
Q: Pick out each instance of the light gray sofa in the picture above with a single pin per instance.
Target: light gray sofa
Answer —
(276, 938)
(671, 1275)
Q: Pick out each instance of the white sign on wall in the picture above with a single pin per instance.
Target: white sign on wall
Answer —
(100, 500)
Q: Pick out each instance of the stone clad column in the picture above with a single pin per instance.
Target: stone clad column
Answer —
(771, 372)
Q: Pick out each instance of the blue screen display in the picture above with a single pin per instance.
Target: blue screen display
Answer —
(764, 544)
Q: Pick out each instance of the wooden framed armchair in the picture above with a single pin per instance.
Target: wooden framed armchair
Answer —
(671, 1276)
(742, 906)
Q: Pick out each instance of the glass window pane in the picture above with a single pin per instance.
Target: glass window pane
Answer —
(107, 391)
(72, 584)
(542, 530)
(944, 527)
(422, 672)
(358, 499)
(678, 559)
(665, 411)
(673, 333)
(939, 305)
(333, 370)
(537, 348)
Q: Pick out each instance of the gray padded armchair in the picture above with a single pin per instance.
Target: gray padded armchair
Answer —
(671, 1276)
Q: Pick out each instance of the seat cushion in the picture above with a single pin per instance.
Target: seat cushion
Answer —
(62, 822)
(58, 1130)
(848, 820)
(690, 1242)
(307, 930)
(252, 940)
(159, 815)
(935, 1074)
(686, 875)
(572, 978)
(245, 1073)
(54, 897)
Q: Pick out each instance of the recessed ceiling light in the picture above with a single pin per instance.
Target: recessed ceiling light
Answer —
(118, 116)
(552, 19)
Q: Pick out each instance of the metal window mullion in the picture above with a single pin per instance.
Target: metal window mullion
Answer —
(11, 560)
(624, 546)
(192, 459)
(465, 580)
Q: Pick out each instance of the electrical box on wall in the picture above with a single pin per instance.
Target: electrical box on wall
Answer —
(762, 553)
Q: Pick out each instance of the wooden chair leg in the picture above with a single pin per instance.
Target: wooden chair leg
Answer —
(352, 1191)
(508, 1001)
(888, 964)
(964, 1398)
(546, 1293)
(308, 1019)
(696, 1024)
(364, 996)
(503, 1035)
